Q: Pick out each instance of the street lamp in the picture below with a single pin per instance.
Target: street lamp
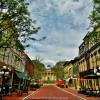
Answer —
(74, 76)
(4, 72)
(97, 70)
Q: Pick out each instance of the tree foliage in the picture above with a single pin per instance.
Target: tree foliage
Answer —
(58, 69)
(95, 14)
(15, 22)
(39, 68)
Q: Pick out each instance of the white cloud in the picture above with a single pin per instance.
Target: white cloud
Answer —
(64, 22)
(66, 6)
(49, 62)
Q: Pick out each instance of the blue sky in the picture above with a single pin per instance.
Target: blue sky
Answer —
(64, 23)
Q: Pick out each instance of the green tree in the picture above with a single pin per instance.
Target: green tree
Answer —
(39, 68)
(58, 69)
(15, 22)
(95, 14)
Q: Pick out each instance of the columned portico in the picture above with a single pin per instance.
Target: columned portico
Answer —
(48, 75)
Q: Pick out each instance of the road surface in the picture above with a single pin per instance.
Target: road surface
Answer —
(52, 92)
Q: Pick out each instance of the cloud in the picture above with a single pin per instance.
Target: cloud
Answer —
(70, 6)
(64, 22)
(49, 62)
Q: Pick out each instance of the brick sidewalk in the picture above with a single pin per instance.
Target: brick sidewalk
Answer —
(16, 97)
(73, 91)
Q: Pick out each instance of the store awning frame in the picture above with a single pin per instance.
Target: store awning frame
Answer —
(90, 76)
(21, 75)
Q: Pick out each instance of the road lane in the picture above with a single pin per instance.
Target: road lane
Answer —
(51, 92)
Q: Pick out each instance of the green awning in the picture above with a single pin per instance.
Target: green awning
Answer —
(90, 76)
(21, 75)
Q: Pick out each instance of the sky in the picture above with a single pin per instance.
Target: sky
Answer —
(64, 23)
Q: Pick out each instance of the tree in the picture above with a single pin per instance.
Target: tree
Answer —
(39, 68)
(95, 14)
(15, 22)
(58, 69)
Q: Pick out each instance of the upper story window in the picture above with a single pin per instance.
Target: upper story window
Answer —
(81, 48)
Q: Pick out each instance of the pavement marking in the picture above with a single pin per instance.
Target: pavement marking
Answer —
(59, 89)
(71, 93)
(30, 94)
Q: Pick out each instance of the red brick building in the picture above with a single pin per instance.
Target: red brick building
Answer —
(29, 66)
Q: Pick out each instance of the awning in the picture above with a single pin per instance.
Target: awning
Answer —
(90, 76)
(21, 75)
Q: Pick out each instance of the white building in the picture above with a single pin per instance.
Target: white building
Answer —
(48, 75)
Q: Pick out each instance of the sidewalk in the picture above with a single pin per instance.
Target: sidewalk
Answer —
(16, 97)
(74, 91)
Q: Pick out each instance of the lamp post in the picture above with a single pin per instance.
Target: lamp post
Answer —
(97, 72)
(4, 72)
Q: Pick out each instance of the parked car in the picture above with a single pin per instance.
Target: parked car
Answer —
(60, 83)
(35, 85)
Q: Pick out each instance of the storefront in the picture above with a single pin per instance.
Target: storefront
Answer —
(90, 80)
(19, 78)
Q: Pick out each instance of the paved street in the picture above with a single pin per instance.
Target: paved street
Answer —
(74, 92)
(49, 49)
(51, 92)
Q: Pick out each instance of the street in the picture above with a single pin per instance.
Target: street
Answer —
(52, 92)
(49, 49)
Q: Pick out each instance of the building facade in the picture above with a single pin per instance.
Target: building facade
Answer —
(71, 73)
(12, 55)
(76, 78)
(89, 60)
(20, 65)
(49, 75)
(84, 70)
(68, 73)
